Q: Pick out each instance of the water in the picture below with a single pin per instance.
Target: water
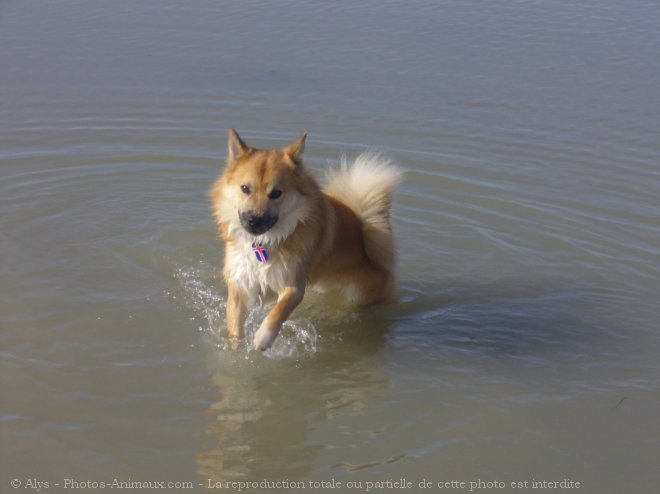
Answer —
(524, 344)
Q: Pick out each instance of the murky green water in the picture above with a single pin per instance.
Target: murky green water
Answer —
(524, 346)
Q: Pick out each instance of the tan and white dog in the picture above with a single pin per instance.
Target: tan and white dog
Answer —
(283, 231)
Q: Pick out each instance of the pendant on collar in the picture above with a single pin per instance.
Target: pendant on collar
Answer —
(260, 251)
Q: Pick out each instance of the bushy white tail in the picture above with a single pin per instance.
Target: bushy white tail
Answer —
(366, 187)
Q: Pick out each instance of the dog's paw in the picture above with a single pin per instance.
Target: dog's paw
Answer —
(263, 338)
(232, 344)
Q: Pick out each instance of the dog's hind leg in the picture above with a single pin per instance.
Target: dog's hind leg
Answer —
(368, 285)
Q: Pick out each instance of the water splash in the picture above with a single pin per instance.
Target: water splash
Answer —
(297, 338)
(200, 292)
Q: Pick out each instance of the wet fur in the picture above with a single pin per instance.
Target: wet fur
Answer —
(336, 235)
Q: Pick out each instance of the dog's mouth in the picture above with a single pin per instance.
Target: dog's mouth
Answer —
(257, 224)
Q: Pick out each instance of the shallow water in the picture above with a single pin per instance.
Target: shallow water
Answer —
(524, 343)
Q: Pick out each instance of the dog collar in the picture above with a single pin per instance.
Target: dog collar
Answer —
(260, 251)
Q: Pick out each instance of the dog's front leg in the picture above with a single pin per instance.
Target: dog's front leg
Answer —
(288, 299)
(236, 310)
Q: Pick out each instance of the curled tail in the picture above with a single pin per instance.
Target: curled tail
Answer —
(366, 187)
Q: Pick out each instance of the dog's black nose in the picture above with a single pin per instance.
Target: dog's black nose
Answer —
(255, 221)
(257, 224)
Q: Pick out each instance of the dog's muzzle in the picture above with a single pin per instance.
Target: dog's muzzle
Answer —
(257, 224)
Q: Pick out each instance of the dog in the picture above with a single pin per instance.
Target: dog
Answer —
(283, 231)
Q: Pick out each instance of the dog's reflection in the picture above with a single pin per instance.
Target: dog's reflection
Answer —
(260, 426)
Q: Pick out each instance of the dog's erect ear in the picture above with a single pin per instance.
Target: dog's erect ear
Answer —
(235, 145)
(297, 149)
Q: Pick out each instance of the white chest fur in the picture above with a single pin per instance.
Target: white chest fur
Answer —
(243, 269)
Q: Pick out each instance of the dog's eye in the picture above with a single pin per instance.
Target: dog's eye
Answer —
(274, 194)
(245, 189)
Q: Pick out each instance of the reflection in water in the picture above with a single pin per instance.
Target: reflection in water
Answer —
(269, 402)
(243, 429)
(258, 428)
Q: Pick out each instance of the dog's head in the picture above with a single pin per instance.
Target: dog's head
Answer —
(262, 192)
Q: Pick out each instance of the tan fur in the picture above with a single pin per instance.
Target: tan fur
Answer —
(341, 237)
